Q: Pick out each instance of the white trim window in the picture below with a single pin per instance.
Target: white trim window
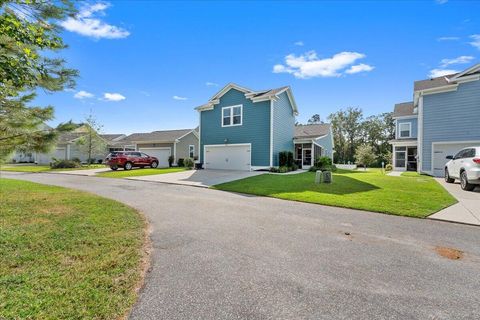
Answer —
(232, 116)
(191, 151)
(405, 130)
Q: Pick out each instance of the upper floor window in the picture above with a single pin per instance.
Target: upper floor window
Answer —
(232, 116)
(404, 130)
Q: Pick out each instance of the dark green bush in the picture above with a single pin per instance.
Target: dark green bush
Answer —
(285, 159)
(389, 167)
(76, 160)
(60, 164)
(171, 159)
(322, 162)
(180, 162)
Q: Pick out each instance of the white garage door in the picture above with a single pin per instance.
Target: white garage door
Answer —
(161, 154)
(231, 157)
(441, 151)
(45, 158)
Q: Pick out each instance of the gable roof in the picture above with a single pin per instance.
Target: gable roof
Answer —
(255, 96)
(312, 130)
(165, 136)
(404, 109)
(112, 136)
(445, 80)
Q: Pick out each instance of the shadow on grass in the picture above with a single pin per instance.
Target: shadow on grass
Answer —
(268, 185)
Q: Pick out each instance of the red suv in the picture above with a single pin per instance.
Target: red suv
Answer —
(129, 159)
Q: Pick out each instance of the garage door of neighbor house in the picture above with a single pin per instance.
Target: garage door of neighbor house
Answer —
(44, 158)
(161, 154)
(231, 157)
(441, 151)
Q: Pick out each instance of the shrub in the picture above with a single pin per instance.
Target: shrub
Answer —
(322, 162)
(274, 169)
(99, 161)
(389, 167)
(171, 159)
(188, 163)
(180, 162)
(76, 160)
(283, 169)
(331, 167)
(290, 160)
(282, 158)
(59, 164)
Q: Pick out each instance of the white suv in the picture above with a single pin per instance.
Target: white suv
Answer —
(465, 165)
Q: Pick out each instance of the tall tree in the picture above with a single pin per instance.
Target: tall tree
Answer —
(315, 119)
(91, 144)
(346, 127)
(365, 155)
(28, 37)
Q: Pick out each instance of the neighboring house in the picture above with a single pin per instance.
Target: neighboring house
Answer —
(242, 129)
(442, 119)
(162, 144)
(67, 148)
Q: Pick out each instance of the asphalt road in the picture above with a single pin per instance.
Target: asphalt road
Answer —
(220, 255)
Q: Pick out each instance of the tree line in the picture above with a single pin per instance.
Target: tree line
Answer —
(353, 132)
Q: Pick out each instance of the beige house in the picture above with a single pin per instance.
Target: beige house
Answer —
(180, 144)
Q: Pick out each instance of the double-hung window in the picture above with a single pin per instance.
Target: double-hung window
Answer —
(404, 130)
(232, 116)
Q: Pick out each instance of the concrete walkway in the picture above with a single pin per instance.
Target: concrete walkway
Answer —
(86, 172)
(467, 210)
(199, 178)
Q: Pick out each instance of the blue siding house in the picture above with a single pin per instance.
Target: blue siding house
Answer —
(443, 118)
(242, 129)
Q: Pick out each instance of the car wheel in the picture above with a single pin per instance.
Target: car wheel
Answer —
(464, 182)
(154, 164)
(128, 166)
(114, 168)
(447, 177)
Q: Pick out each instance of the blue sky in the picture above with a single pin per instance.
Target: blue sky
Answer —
(145, 65)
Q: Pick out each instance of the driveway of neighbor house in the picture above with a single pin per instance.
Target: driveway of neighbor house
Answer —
(199, 178)
(467, 210)
(86, 172)
(222, 255)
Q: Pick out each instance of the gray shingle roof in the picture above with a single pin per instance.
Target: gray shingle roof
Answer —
(112, 136)
(404, 109)
(266, 93)
(432, 83)
(312, 130)
(165, 136)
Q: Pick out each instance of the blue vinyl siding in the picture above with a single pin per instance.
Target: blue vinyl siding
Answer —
(326, 143)
(283, 126)
(450, 116)
(414, 126)
(255, 128)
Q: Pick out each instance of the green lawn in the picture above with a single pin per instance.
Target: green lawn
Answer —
(42, 168)
(417, 196)
(66, 254)
(120, 173)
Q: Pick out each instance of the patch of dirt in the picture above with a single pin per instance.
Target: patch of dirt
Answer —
(449, 253)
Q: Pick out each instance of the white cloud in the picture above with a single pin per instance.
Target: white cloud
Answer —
(83, 95)
(448, 39)
(179, 98)
(362, 67)
(87, 24)
(458, 60)
(440, 72)
(441, 1)
(211, 84)
(299, 43)
(308, 65)
(476, 40)
(113, 96)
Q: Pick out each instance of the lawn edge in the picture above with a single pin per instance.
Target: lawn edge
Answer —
(331, 206)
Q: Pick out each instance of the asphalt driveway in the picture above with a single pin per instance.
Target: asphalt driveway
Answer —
(199, 178)
(220, 255)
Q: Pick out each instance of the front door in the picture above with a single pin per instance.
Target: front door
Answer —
(306, 158)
